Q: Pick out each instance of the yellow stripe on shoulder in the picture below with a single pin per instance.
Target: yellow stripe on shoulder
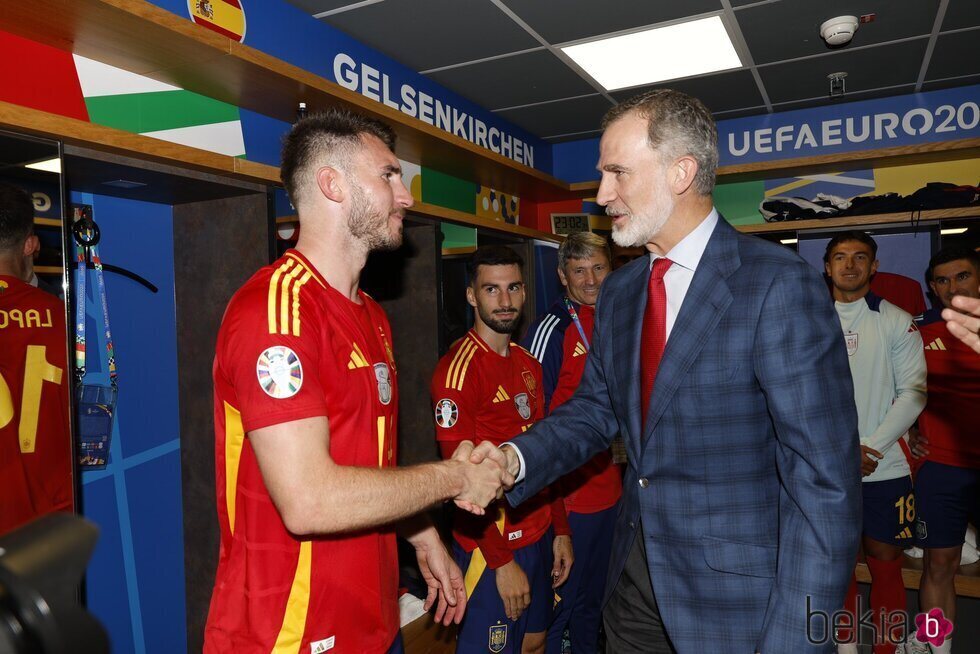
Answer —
(455, 363)
(462, 371)
(293, 257)
(273, 306)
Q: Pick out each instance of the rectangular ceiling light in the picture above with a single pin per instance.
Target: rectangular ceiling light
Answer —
(657, 54)
(48, 165)
(953, 230)
(788, 241)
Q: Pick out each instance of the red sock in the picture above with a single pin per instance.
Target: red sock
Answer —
(888, 594)
(849, 634)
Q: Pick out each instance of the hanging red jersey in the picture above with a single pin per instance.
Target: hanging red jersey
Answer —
(291, 347)
(35, 445)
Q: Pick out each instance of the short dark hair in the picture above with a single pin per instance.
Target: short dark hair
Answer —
(582, 245)
(16, 216)
(329, 137)
(953, 253)
(677, 124)
(851, 235)
(492, 255)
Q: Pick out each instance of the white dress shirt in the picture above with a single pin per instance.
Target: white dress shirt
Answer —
(686, 256)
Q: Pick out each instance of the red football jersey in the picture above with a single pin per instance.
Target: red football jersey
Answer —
(949, 420)
(482, 396)
(904, 292)
(291, 347)
(598, 484)
(35, 381)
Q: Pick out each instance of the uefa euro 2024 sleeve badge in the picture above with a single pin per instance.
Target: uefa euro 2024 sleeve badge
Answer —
(446, 413)
(279, 371)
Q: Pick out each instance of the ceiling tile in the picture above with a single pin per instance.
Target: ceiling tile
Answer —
(511, 81)
(961, 13)
(559, 21)
(790, 29)
(807, 78)
(719, 92)
(565, 117)
(946, 84)
(316, 6)
(822, 101)
(424, 34)
(955, 55)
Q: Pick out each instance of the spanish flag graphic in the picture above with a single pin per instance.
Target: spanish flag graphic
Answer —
(226, 17)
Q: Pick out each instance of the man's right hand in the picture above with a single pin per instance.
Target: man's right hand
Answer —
(482, 482)
(869, 460)
(514, 589)
(504, 456)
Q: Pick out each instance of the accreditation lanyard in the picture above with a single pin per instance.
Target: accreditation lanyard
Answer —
(578, 323)
(81, 274)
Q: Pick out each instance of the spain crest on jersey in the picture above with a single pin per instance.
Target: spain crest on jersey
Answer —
(279, 372)
(226, 17)
(529, 381)
(446, 413)
(498, 638)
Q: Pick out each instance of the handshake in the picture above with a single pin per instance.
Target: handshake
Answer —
(484, 472)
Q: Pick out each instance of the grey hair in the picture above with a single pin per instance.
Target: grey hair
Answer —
(582, 245)
(677, 124)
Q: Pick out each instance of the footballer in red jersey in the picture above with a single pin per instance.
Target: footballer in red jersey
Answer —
(35, 381)
(306, 400)
(487, 388)
(947, 484)
(560, 339)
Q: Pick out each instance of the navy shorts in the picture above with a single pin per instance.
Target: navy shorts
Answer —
(946, 497)
(889, 511)
(485, 626)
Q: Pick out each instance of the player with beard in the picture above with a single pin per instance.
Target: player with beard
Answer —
(306, 403)
(947, 485)
(487, 388)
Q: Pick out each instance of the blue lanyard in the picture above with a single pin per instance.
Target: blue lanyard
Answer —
(578, 323)
(80, 278)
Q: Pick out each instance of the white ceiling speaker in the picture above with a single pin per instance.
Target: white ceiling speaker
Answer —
(840, 30)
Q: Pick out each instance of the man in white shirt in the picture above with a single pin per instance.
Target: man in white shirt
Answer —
(720, 361)
(888, 369)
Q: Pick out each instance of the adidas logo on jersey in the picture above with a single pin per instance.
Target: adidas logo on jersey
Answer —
(936, 345)
(579, 350)
(905, 533)
(501, 396)
(357, 359)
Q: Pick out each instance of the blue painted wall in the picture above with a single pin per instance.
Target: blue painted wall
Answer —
(135, 581)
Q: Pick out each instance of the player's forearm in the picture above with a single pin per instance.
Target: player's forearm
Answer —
(352, 498)
(901, 415)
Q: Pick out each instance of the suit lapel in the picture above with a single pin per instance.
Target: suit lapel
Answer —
(629, 308)
(706, 301)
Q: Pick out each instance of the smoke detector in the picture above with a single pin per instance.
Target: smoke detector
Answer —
(840, 30)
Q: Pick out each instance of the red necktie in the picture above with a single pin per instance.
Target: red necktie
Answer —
(654, 336)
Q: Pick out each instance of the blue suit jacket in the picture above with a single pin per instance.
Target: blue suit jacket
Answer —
(750, 461)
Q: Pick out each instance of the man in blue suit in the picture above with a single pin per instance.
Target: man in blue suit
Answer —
(721, 362)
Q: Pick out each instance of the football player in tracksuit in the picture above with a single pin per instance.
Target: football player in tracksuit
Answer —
(560, 340)
(487, 388)
(888, 368)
